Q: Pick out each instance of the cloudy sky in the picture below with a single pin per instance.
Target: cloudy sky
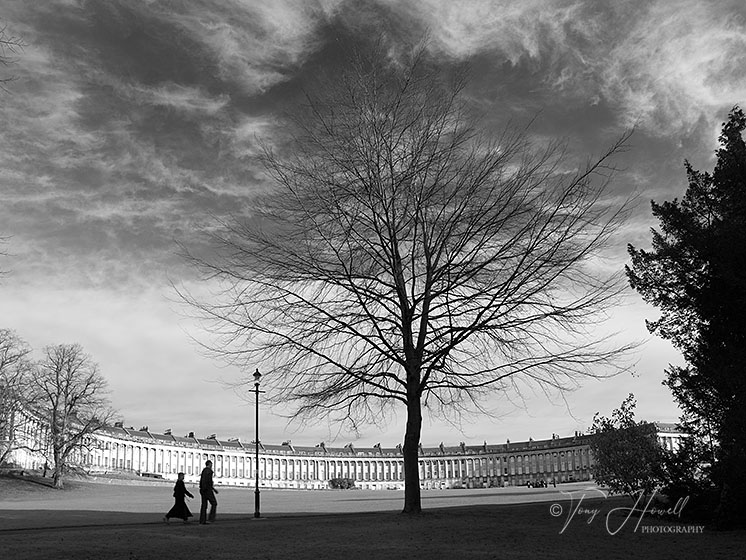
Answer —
(132, 124)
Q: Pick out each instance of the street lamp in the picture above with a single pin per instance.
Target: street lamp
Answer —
(257, 377)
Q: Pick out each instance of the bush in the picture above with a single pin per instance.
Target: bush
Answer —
(341, 483)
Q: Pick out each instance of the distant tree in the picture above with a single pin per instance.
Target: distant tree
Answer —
(15, 369)
(71, 395)
(404, 257)
(696, 274)
(627, 456)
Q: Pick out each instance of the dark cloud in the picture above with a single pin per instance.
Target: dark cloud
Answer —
(152, 110)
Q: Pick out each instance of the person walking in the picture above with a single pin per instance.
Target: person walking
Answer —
(207, 492)
(180, 509)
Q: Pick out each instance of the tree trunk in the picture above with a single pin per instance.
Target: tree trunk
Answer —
(411, 449)
(57, 479)
(729, 513)
(57, 476)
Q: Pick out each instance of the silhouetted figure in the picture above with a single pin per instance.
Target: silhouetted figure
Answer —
(207, 492)
(180, 509)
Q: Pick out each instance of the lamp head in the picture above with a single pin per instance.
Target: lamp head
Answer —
(257, 376)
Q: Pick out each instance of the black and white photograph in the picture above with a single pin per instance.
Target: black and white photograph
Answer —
(372, 278)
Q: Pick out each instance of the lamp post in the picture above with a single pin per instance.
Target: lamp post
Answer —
(257, 377)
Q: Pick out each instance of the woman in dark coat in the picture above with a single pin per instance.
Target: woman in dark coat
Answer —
(180, 508)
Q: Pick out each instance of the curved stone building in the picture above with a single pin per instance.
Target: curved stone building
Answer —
(119, 449)
(559, 459)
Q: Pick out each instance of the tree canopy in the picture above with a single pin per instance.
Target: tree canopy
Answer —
(15, 375)
(696, 275)
(10, 46)
(70, 394)
(405, 257)
(627, 456)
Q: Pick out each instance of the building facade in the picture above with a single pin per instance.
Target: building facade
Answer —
(375, 468)
(119, 449)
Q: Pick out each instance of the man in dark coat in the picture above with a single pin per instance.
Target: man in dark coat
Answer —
(207, 492)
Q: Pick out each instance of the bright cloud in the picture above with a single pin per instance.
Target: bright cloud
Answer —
(662, 65)
(679, 62)
(256, 43)
(181, 98)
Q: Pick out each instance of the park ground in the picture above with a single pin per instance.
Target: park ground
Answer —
(111, 520)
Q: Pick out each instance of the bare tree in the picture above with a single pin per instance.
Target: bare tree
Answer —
(14, 386)
(406, 259)
(71, 394)
(10, 46)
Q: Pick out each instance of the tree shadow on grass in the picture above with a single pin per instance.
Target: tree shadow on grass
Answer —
(12, 478)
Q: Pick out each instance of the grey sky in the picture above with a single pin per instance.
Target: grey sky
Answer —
(132, 124)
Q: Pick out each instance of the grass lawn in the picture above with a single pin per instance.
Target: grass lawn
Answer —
(98, 521)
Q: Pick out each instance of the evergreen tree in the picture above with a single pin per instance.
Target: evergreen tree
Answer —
(696, 274)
